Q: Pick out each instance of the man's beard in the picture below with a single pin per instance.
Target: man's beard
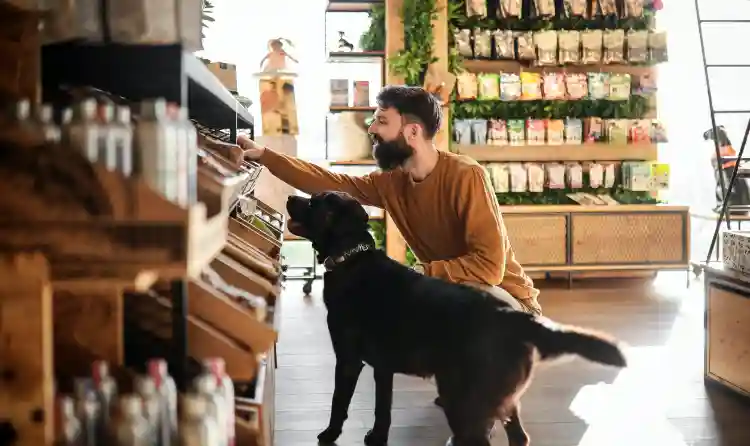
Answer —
(391, 154)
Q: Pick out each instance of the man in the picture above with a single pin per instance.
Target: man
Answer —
(442, 203)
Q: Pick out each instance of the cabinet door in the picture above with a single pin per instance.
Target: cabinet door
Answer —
(538, 240)
(728, 336)
(629, 238)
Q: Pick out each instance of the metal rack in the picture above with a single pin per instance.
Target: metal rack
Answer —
(137, 72)
(726, 208)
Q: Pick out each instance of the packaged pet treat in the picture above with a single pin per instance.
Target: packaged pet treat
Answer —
(489, 86)
(637, 45)
(617, 130)
(644, 85)
(525, 49)
(658, 132)
(569, 43)
(555, 176)
(500, 175)
(575, 175)
(640, 131)
(509, 8)
(598, 85)
(535, 173)
(462, 131)
(614, 46)
(535, 132)
(593, 129)
(594, 10)
(510, 87)
(516, 132)
(531, 89)
(575, 8)
(497, 133)
(609, 176)
(608, 7)
(619, 87)
(633, 8)
(466, 86)
(573, 131)
(479, 131)
(482, 43)
(553, 86)
(518, 177)
(462, 37)
(544, 8)
(596, 175)
(657, 46)
(576, 86)
(476, 8)
(504, 44)
(591, 46)
(555, 132)
(546, 47)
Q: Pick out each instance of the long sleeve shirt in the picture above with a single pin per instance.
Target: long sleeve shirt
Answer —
(451, 219)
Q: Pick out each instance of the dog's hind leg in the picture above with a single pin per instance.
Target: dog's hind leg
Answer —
(467, 410)
(517, 435)
(378, 435)
(346, 376)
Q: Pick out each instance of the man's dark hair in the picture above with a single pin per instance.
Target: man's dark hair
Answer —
(415, 104)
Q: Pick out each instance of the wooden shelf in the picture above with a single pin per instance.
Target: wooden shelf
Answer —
(347, 108)
(514, 66)
(356, 56)
(351, 5)
(574, 152)
(567, 208)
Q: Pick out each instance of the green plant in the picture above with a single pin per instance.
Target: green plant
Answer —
(206, 17)
(377, 229)
(635, 107)
(411, 259)
(412, 61)
(374, 38)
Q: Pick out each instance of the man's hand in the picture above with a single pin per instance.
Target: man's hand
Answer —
(250, 150)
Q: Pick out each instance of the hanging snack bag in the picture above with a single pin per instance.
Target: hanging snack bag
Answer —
(596, 175)
(633, 8)
(609, 176)
(608, 7)
(573, 131)
(617, 130)
(510, 87)
(535, 132)
(553, 86)
(525, 49)
(594, 10)
(575, 175)
(614, 46)
(462, 131)
(555, 176)
(575, 8)
(576, 86)
(544, 8)
(467, 86)
(479, 131)
(489, 86)
(509, 8)
(593, 129)
(569, 43)
(555, 132)
(619, 87)
(644, 84)
(591, 46)
(482, 43)
(546, 47)
(637, 45)
(535, 173)
(500, 175)
(531, 86)
(516, 132)
(518, 177)
(657, 47)
(497, 133)
(658, 132)
(598, 85)
(640, 131)
(476, 8)
(462, 37)
(504, 44)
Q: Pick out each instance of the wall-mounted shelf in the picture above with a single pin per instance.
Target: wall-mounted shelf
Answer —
(356, 56)
(351, 5)
(568, 152)
(348, 108)
(514, 66)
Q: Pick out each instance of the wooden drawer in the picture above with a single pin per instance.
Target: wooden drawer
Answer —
(255, 414)
(628, 238)
(728, 336)
(538, 239)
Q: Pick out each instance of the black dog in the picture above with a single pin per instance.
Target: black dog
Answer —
(480, 352)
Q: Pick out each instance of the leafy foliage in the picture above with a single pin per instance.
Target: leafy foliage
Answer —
(374, 38)
(206, 17)
(377, 228)
(412, 61)
(634, 108)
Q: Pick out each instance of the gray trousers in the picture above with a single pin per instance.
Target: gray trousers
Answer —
(499, 294)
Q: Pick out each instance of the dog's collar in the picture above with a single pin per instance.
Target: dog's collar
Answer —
(330, 262)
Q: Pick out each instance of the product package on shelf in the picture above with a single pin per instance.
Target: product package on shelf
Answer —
(735, 248)
(225, 72)
(645, 176)
(339, 92)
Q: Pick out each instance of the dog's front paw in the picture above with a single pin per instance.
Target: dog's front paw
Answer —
(376, 437)
(329, 435)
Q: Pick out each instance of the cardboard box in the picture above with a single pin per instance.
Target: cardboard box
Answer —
(226, 72)
(735, 249)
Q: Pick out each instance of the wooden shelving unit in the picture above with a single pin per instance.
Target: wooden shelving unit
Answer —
(565, 152)
(98, 266)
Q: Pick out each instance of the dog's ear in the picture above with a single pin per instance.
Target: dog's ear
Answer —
(356, 211)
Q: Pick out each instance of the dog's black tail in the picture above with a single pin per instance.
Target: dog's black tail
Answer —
(554, 340)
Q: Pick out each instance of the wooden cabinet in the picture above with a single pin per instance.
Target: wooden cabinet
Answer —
(538, 239)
